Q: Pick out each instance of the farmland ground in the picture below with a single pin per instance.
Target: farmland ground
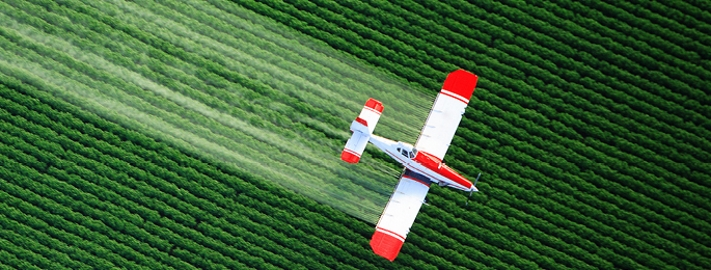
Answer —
(151, 134)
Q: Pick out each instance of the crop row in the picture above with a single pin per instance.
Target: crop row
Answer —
(546, 214)
(664, 45)
(221, 52)
(699, 166)
(84, 204)
(533, 72)
(282, 205)
(50, 114)
(440, 42)
(544, 186)
(570, 35)
(175, 109)
(570, 220)
(608, 158)
(567, 158)
(579, 90)
(127, 169)
(520, 135)
(656, 14)
(211, 102)
(33, 248)
(683, 70)
(511, 232)
(86, 251)
(124, 155)
(579, 102)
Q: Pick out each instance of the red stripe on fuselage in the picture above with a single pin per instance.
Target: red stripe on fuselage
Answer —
(412, 168)
(448, 172)
(453, 176)
(435, 164)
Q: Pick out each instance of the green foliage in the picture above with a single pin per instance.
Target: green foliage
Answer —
(590, 123)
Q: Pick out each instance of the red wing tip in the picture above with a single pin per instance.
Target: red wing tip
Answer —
(461, 82)
(385, 245)
(349, 157)
(374, 104)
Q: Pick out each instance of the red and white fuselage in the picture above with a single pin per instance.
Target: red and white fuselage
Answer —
(422, 163)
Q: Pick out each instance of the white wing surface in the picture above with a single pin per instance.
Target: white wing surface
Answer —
(399, 214)
(446, 113)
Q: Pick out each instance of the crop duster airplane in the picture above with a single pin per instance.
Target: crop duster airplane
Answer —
(423, 162)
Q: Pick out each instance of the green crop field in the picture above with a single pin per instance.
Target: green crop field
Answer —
(207, 134)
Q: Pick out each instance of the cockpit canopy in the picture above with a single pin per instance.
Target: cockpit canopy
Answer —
(407, 152)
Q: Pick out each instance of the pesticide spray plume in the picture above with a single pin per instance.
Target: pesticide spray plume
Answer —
(276, 59)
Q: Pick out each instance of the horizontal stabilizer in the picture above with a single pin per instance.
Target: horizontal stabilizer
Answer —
(362, 127)
(354, 147)
(368, 117)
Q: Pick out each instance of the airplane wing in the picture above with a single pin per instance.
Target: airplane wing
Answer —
(399, 214)
(436, 135)
(446, 113)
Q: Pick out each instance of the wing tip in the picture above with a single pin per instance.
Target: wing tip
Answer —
(349, 157)
(374, 104)
(461, 82)
(386, 245)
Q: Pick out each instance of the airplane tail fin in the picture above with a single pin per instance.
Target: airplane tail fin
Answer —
(362, 127)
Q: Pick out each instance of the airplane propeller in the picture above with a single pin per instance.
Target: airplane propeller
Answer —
(472, 191)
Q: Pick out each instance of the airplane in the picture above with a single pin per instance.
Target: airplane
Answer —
(423, 161)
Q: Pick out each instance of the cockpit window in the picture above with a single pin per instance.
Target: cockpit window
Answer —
(404, 152)
(412, 155)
